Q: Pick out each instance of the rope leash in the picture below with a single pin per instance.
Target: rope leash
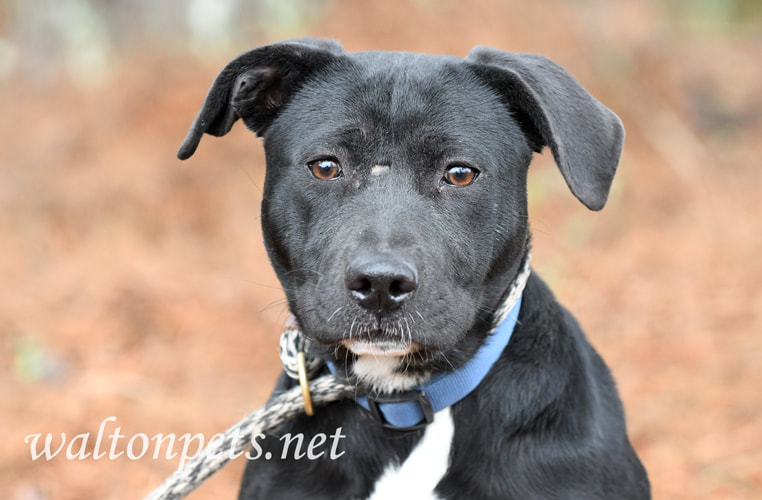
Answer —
(237, 439)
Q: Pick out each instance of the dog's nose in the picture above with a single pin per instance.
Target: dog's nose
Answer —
(380, 282)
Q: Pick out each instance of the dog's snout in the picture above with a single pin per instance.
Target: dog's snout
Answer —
(381, 282)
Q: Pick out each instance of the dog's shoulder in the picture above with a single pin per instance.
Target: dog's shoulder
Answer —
(549, 417)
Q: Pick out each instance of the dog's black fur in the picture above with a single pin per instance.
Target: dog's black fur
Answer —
(546, 422)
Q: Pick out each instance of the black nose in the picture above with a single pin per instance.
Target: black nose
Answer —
(380, 282)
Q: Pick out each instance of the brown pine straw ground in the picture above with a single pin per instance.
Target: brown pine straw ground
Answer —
(137, 286)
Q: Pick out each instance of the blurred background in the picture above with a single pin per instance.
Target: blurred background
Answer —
(137, 286)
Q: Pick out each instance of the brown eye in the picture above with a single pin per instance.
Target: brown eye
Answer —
(325, 169)
(460, 175)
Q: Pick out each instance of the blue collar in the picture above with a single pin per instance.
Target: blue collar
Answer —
(415, 408)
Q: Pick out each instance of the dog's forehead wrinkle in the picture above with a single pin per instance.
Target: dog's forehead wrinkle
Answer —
(401, 82)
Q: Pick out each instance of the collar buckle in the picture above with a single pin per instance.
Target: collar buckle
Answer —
(407, 397)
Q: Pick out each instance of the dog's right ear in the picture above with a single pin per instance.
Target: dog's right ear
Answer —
(256, 85)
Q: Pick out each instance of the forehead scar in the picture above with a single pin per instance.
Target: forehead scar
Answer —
(379, 169)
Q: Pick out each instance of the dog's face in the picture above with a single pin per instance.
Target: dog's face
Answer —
(384, 210)
(395, 210)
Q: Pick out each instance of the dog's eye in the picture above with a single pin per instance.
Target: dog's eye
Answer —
(325, 169)
(460, 175)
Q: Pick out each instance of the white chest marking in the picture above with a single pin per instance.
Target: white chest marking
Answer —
(383, 374)
(422, 470)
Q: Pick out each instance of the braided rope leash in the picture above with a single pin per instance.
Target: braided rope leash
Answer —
(237, 439)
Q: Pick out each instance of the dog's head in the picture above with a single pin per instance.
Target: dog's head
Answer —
(395, 204)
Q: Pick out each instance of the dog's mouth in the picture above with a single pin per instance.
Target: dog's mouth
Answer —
(380, 347)
(380, 338)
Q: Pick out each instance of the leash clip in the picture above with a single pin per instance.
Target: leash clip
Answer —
(413, 396)
(301, 365)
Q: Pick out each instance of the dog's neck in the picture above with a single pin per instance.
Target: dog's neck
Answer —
(385, 375)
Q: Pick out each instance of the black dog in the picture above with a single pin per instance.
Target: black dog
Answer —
(395, 215)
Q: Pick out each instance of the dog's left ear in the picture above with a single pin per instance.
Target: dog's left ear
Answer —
(256, 85)
(554, 110)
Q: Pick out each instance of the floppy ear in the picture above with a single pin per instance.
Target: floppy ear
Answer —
(255, 86)
(554, 110)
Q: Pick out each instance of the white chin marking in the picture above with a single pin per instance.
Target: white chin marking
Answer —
(384, 373)
(419, 474)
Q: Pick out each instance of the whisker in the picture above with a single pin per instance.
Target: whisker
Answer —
(274, 304)
(253, 182)
(303, 270)
(333, 314)
(252, 282)
(446, 360)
